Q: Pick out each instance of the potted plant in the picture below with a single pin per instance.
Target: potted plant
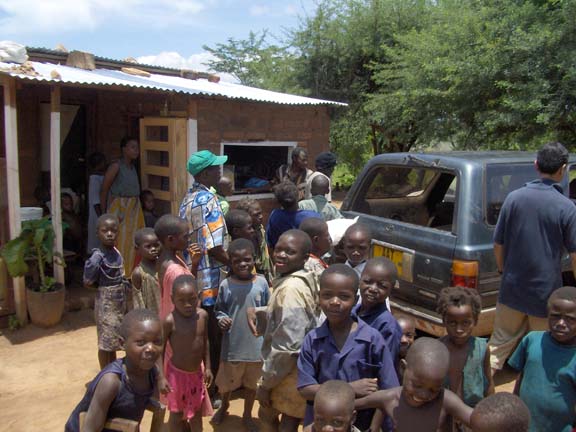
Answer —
(31, 254)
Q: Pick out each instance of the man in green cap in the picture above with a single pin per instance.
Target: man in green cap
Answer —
(201, 209)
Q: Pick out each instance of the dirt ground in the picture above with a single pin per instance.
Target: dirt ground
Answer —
(43, 373)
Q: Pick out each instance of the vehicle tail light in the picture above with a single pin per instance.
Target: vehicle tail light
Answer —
(465, 273)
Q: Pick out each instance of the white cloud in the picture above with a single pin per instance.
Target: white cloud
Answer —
(259, 10)
(196, 62)
(51, 16)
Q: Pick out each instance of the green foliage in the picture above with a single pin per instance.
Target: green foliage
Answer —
(36, 244)
(14, 323)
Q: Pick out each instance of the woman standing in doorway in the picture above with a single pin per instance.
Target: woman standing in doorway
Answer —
(297, 172)
(121, 181)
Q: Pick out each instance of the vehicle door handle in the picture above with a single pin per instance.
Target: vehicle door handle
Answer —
(389, 228)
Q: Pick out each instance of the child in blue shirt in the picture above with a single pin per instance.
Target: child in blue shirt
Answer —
(241, 364)
(344, 348)
(547, 365)
(377, 280)
(469, 376)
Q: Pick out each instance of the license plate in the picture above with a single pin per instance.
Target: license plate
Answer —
(396, 256)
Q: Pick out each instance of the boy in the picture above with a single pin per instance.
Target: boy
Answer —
(185, 377)
(500, 412)
(356, 246)
(408, 326)
(334, 408)
(292, 312)
(240, 362)
(344, 348)
(104, 270)
(146, 291)
(319, 188)
(173, 233)
(263, 261)
(287, 217)
(239, 224)
(107, 395)
(545, 360)
(376, 283)
(421, 404)
(148, 203)
(317, 230)
(469, 375)
(223, 190)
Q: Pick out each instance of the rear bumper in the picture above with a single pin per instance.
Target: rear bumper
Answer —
(432, 324)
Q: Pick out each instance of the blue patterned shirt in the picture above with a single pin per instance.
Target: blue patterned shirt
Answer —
(201, 209)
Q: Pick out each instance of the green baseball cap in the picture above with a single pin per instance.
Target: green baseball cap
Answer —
(203, 159)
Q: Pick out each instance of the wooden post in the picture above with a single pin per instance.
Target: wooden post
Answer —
(55, 182)
(13, 183)
(192, 132)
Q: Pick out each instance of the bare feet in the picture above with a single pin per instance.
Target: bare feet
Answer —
(250, 424)
(220, 414)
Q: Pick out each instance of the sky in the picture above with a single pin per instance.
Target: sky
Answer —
(165, 32)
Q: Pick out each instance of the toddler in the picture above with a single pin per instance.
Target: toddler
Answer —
(104, 270)
(334, 408)
(240, 363)
(145, 288)
(317, 230)
(223, 190)
(187, 373)
(148, 203)
(500, 412)
(408, 326)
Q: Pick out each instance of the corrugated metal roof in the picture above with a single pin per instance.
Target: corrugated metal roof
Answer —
(107, 77)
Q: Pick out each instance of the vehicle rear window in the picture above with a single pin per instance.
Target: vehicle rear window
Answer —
(421, 196)
(501, 179)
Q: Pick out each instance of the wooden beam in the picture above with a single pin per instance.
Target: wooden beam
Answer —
(192, 132)
(13, 183)
(55, 182)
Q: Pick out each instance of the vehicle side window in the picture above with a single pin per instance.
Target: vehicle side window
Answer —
(501, 179)
(421, 196)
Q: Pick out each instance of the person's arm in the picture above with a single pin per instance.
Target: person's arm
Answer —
(378, 400)
(307, 382)
(456, 408)
(109, 178)
(136, 279)
(499, 256)
(377, 419)
(517, 385)
(208, 377)
(167, 327)
(219, 254)
(104, 394)
(95, 187)
(573, 261)
(488, 374)
(92, 269)
(221, 307)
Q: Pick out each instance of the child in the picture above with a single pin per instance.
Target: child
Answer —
(356, 246)
(97, 166)
(109, 395)
(104, 270)
(421, 404)
(148, 203)
(263, 262)
(408, 326)
(240, 362)
(223, 190)
(185, 376)
(317, 230)
(334, 408)
(344, 348)
(319, 188)
(547, 383)
(292, 312)
(239, 224)
(376, 283)
(469, 375)
(146, 291)
(173, 233)
(500, 412)
(287, 217)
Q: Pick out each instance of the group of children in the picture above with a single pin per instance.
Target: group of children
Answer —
(312, 339)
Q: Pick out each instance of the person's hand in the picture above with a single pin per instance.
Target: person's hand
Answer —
(252, 320)
(263, 396)
(365, 386)
(195, 253)
(164, 386)
(208, 378)
(225, 323)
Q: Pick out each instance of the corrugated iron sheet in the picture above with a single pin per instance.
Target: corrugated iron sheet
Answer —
(106, 77)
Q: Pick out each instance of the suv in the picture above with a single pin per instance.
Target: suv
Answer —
(434, 215)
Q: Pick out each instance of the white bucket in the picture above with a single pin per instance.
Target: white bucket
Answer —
(30, 213)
